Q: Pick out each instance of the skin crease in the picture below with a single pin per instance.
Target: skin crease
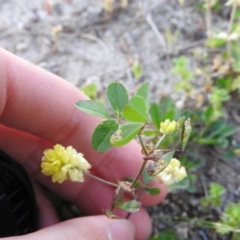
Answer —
(37, 111)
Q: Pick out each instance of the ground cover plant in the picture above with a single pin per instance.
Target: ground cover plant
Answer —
(133, 117)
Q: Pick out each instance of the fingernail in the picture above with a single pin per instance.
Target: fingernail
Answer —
(121, 229)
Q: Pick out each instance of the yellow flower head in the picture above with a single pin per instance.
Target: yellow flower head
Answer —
(168, 126)
(63, 163)
(173, 173)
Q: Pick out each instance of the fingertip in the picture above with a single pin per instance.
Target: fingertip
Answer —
(90, 228)
(46, 212)
(142, 223)
(123, 228)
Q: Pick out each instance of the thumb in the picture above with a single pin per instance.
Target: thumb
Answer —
(90, 228)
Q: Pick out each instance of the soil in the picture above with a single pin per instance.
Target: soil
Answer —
(95, 46)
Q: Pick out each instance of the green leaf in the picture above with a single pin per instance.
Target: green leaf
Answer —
(165, 105)
(191, 164)
(150, 133)
(125, 134)
(215, 193)
(90, 90)
(228, 131)
(164, 110)
(231, 215)
(146, 177)
(215, 42)
(131, 180)
(219, 130)
(156, 115)
(222, 142)
(225, 83)
(177, 133)
(168, 156)
(155, 167)
(180, 121)
(187, 129)
(117, 96)
(180, 185)
(191, 189)
(136, 110)
(137, 70)
(152, 190)
(165, 235)
(130, 206)
(102, 134)
(92, 107)
(143, 92)
(214, 197)
(235, 236)
(206, 141)
(181, 68)
(170, 114)
(167, 142)
(111, 214)
(207, 114)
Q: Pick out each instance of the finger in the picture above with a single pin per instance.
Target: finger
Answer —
(90, 228)
(46, 212)
(71, 192)
(92, 197)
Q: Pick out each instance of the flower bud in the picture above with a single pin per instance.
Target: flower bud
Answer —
(168, 126)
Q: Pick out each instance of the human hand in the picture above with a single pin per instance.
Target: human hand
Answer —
(36, 111)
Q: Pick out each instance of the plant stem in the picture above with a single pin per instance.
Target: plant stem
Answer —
(158, 143)
(101, 180)
(209, 18)
(144, 162)
(139, 174)
(142, 144)
(234, 8)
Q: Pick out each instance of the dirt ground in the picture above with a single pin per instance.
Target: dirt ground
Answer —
(97, 47)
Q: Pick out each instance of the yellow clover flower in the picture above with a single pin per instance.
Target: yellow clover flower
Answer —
(173, 173)
(64, 163)
(167, 126)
